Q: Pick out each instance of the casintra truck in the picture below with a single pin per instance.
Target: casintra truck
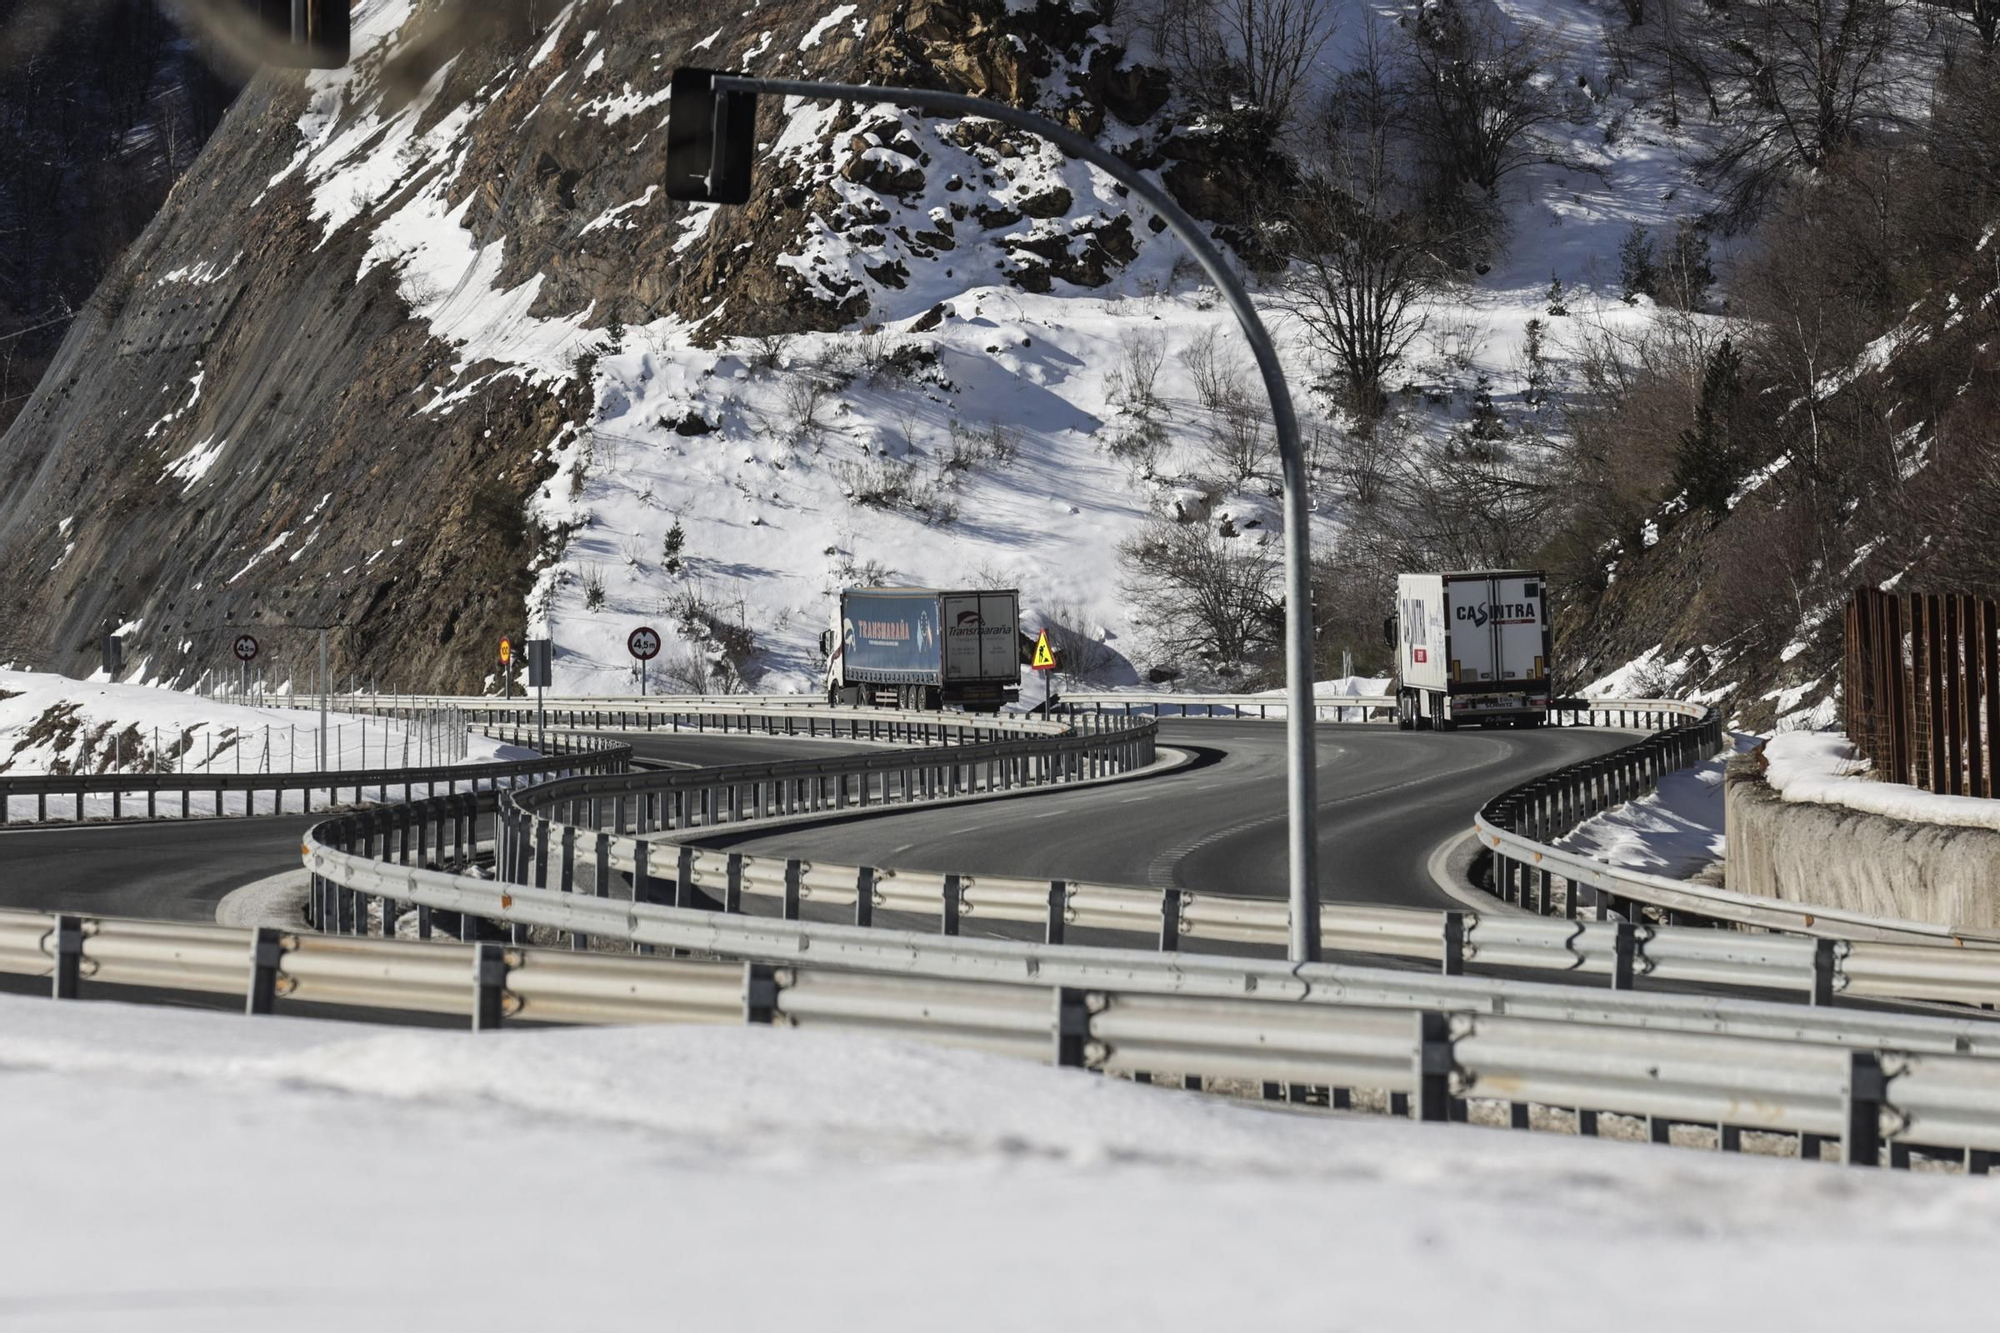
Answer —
(1471, 647)
(923, 648)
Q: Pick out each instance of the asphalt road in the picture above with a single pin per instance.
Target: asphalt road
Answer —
(167, 870)
(1387, 799)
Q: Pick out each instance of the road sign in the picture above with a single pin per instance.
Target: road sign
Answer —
(643, 643)
(711, 140)
(1045, 657)
(506, 651)
(246, 647)
(540, 658)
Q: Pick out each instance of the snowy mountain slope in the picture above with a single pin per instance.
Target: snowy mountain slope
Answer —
(585, 366)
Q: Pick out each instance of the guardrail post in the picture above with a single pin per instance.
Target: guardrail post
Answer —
(684, 878)
(1058, 911)
(1826, 963)
(1454, 944)
(792, 874)
(568, 884)
(642, 879)
(489, 986)
(760, 993)
(603, 872)
(1624, 948)
(1072, 1027)
(1170, 920)
(1867, 1089)
(267, 951)
(951, 904)
(541, 853)
(1433, 1067)
(732, 889)
(864, 896)
(68, 944)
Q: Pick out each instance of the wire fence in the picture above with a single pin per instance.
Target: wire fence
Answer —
(1921, 690)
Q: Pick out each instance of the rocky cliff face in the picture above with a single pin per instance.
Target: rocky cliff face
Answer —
(323, 385)
(102, 106)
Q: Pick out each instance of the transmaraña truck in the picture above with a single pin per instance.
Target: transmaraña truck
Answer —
(1471, 646)
(922, 648)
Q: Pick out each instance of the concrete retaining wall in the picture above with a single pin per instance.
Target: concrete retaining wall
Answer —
(1810, 853)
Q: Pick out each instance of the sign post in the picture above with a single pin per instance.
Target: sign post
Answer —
(644, 644)
(710, 158)
(246, 652)
(541, 666)
(325, 687)
(1045, 662)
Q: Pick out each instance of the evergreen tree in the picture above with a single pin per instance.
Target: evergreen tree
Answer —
(1707, 458)
(1638, 273)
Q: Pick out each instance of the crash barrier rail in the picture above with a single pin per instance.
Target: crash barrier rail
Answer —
(1268, 707)
(1628, 714)
(540, 843)
(656, 712)
(550, 833)
(1521, 825)
(568, 754)
(1921, 1085)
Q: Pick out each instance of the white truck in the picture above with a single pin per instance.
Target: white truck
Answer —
(923, 648)
(1471, 646)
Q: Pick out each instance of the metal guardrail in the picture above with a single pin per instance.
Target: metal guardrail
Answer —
(568, 754)
(1264, 707)
(1521, 824)
(550, 833)
(1433, 1059)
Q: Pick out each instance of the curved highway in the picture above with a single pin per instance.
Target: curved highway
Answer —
(173, 871)
(1387, 800)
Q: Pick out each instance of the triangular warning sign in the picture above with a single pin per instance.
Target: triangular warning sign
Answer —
(1045, 658)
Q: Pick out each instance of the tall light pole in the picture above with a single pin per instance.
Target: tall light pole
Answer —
(711, 139)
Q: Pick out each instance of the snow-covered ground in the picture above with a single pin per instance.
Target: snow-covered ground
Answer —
(1676, 831)
(53, 724)
(1825, 767)
(181, 1170)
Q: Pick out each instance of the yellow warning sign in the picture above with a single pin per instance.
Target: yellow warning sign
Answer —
(1045, 657)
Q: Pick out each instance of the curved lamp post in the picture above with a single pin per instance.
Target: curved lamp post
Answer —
(710, 146)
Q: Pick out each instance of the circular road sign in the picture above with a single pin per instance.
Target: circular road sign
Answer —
(506, 651)
(643, 643)
(246, 647)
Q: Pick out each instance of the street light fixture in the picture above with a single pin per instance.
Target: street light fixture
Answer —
(711, 143)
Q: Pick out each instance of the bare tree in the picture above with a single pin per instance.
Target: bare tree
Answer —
(1230, 55)
(1234, 411)
(1362, 249)
(1477, 87)
(1083, 650)
(1810, 78)
(1200, 593)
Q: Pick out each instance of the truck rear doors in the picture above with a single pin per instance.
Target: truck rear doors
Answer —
(1497, 630)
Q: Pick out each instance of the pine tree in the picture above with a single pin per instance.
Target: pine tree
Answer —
(1707, 458)
(670, 554)
(1638, 274)
(1558, 305)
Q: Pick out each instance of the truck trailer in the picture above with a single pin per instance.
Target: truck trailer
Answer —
(924, 648)
(1471, 646)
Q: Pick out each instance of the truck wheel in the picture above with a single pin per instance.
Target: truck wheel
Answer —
(1404, 720)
